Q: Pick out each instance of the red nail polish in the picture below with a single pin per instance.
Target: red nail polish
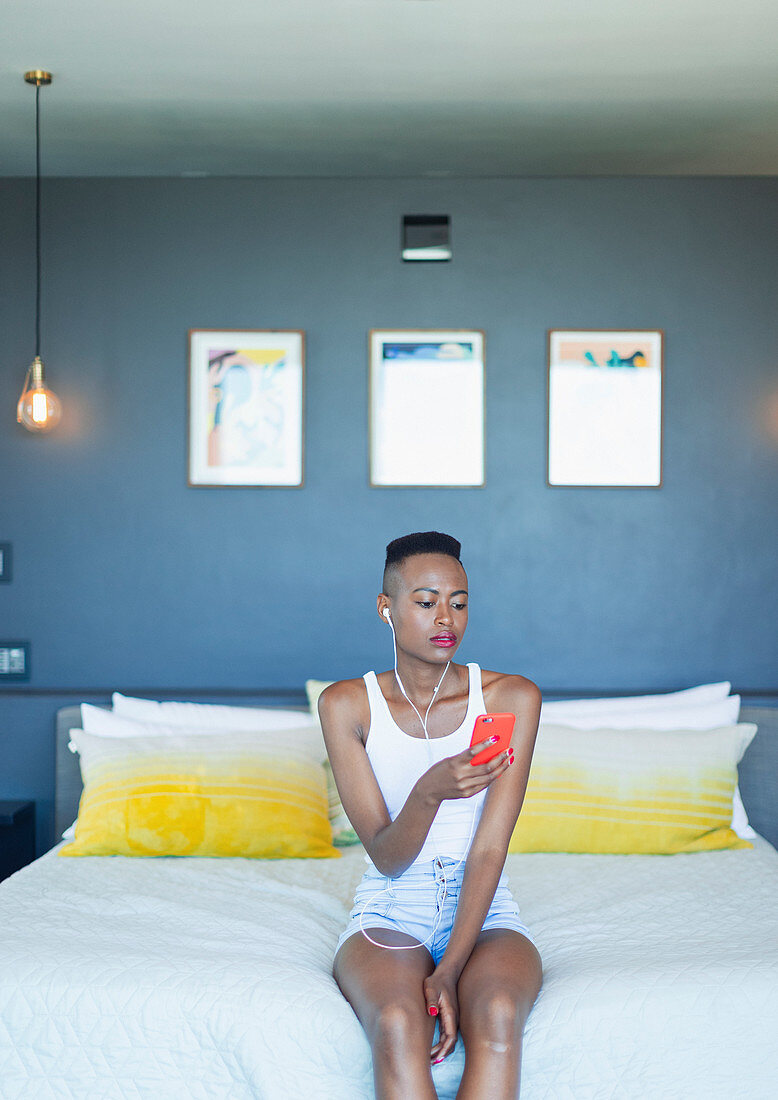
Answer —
(436, 1061)
(493, 740)
(432, 1010)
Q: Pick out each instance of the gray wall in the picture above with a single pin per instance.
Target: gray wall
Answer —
(125, 577)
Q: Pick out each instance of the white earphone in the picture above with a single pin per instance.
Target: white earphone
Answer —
(387, 615)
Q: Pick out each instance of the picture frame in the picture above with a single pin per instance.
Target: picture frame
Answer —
(605, 395)
(246, 405)
(426, 408)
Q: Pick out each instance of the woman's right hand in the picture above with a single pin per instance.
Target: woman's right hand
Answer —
(457, 777)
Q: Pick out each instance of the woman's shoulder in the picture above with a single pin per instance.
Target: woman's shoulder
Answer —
(344, 710)
(505, 690)
(343, 695)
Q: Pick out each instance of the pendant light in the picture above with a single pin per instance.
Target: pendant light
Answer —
(39, 409)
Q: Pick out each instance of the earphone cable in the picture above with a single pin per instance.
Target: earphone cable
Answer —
(401, 886)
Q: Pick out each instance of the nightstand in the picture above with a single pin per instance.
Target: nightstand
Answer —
(17, 836)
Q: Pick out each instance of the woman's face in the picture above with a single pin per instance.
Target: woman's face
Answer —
(429, 606)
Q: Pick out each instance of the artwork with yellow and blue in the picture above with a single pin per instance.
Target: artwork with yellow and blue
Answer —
(246, 407)
(246, 420)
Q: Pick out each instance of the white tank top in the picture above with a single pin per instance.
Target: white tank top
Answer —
(399, 760)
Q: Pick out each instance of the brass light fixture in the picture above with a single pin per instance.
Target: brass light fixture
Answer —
(39, 409)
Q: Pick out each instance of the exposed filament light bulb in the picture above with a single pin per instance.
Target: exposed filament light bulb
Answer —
(39, 409)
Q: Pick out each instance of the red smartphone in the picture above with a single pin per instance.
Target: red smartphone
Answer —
(492, 725)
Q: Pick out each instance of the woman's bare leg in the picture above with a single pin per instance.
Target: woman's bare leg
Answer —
(496, 991)
(385, 990)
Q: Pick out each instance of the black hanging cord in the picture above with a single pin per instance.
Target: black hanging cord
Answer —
(37, 221)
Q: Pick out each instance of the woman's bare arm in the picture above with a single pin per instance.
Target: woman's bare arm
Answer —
(486, 858)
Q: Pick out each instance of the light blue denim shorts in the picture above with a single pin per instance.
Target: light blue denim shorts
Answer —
(423, 904)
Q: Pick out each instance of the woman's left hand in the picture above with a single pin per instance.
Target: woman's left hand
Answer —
(440, 992)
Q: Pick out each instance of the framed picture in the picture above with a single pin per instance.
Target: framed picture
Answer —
(426, 408)
(246, 401)
(605, 408)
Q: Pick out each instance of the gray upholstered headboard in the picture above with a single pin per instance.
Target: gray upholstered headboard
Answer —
(758, 771)
(67, 774)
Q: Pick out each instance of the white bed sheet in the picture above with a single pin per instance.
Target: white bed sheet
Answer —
(206, 978)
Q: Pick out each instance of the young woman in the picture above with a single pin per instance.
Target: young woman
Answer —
(434, 932)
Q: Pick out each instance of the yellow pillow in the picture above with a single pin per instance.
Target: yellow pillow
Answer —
(343, 832)
(199, 795)
(631, 791)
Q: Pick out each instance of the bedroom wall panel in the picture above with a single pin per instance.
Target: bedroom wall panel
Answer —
(123, 576)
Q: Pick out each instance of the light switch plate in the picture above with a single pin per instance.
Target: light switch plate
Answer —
(14, 661)
(5, 562)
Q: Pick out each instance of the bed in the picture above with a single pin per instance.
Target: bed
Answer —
(202, 977)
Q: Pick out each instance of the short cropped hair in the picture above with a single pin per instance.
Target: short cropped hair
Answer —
(420, 542)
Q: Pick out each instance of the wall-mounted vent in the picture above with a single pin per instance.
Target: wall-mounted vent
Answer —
(426, 237)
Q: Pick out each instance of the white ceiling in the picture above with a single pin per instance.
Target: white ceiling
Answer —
(392, 87)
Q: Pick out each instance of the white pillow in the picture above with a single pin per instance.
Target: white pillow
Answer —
(705, 693)
(306, 735)
(702, 716)
(214, 716)
(740, 823)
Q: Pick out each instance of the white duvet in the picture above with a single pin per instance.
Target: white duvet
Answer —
(208, 978)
